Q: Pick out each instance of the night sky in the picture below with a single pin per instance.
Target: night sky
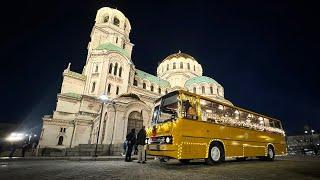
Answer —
(264, 53)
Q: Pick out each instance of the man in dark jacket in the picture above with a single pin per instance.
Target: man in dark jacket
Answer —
(141, 141)
(131, 140)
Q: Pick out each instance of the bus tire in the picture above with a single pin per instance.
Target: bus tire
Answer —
(184, 161)
(270, 154)
(215, 154)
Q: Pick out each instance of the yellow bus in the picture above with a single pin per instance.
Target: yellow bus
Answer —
(187, 126)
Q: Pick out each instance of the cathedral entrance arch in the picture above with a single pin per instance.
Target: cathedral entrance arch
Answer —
(135, 121)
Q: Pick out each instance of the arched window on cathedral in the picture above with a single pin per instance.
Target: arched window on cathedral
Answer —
(151, 88)
(194, 67)
(110, 68)
(117, 91)
(120, 71)
(96, 69)
(218, 91)
(116, 21)
(181, 65)
(109, 88)
(106, 19)
(117, 39)
(194, 90)
(115, 69)
(203, 90)
(189, 66)
(135, 82)
(166, 91)
(124, 46)
(60, 140)
(174, 65)
(159, 90)
(167, 67)
(144, 85)
(211, 90)
(93, 87)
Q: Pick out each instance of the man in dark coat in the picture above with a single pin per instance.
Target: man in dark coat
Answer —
(141, 142)
(131, 140)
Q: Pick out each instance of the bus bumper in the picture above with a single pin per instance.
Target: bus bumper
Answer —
(162, 150)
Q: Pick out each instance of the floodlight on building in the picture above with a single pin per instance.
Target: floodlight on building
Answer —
(14, 137)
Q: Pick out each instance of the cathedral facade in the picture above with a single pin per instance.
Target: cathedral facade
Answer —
(80, 117)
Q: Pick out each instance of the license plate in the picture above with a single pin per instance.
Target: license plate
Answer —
(154, 147)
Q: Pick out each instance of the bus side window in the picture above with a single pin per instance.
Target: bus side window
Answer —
(277, 124)
(189, 110)
(272, 123)
(207, 110)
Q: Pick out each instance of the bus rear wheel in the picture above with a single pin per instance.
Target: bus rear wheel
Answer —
(216, 154)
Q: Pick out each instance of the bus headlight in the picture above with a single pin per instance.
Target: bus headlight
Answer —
(168, 140)
(148, 141)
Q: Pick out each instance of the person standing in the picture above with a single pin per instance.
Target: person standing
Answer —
(141, 142)
(131, 140)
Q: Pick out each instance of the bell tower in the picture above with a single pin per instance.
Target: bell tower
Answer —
(108, 66)
(111, 27)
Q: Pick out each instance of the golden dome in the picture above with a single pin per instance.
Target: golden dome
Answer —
(178, 55)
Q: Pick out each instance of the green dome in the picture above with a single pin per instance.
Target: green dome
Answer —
(199, 80)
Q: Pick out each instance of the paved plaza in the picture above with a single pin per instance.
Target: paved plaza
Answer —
(284, 168)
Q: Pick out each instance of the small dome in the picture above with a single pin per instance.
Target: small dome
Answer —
(199, 80)
(178, 55)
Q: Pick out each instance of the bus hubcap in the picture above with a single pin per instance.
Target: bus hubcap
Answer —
(215, 153)
(270, 153)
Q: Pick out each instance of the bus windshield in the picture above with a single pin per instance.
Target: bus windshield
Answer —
(166, 109)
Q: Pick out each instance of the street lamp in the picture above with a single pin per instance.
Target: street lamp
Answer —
(114, 121)
(103, 99)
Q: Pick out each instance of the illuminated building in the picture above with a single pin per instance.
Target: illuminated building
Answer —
(110, 70)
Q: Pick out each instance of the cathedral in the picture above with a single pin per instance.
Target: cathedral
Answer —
(81, 119)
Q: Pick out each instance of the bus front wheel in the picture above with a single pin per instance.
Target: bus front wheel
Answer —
(216, 154)
(270, 153)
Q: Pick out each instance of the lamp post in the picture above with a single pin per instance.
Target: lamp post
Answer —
(114, 121)
(103, 99)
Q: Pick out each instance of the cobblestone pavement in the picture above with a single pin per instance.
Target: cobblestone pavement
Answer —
(285, 168)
